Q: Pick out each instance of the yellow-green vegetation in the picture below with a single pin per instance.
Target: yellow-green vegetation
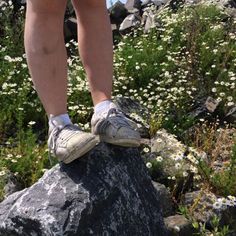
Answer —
(217, 143)
(201, 227)
(191, 55)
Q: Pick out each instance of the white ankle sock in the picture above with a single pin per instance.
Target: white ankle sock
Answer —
(102, 106)
(60, 120)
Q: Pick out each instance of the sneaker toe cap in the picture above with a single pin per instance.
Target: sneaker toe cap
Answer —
(127, 133)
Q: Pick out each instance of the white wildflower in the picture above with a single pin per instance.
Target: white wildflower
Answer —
(149, 165)
(159, 158)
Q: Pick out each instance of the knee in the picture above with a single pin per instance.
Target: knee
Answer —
(47, 7)
(79, 5)
(43, 34)
(42, 19)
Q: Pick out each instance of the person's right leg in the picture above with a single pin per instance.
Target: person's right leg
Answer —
(46, 57)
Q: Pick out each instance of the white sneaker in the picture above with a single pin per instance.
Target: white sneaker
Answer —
(68, 142)
(114, 127)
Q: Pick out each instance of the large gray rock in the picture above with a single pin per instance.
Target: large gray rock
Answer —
(205, 205)
(107, 192)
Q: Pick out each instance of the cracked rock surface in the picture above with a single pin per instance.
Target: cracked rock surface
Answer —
(106, 192)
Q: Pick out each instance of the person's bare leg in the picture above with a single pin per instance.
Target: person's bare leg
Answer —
(95, 46)
(96, 51)
(46, 53)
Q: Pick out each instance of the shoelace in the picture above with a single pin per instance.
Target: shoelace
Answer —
(113, 112)
(65, 136)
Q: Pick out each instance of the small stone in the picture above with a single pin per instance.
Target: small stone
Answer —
(178, 225)
(130, 22)
(149, 20)
(231, 116)
(118, 12)
(211, 104)
(133, 5)
(12, 184)
(70, 29)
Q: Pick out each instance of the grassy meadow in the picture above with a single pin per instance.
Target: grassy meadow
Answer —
(189, 57)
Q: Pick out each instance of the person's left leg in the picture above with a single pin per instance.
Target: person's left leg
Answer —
(96, 51)
(95, 46)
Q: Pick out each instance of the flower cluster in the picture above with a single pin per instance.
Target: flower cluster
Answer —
(192, 54)
(176, 158)
(223, 203)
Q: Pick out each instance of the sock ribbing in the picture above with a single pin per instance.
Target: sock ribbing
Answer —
(60, 120)
(102, 106)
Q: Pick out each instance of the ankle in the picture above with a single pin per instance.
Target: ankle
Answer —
(59, 120)
(102, 106)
